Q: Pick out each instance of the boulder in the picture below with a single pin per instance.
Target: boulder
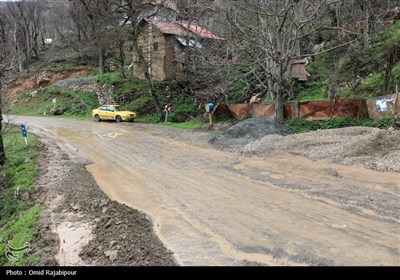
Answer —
(58, 111)
(396, 122)
(43, 80)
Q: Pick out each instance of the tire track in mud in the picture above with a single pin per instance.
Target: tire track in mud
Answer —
(82, 226)
(213, 207)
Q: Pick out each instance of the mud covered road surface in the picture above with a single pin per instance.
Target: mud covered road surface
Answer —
(212, 207)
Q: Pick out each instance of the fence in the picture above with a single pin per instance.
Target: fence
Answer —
(318, 110)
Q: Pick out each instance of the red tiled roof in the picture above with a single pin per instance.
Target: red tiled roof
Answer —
(181, 29)
(202, 32)
(169, 28)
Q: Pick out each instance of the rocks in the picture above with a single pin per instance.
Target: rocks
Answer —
(374, 148)
(247, 131)
(396, 123)
(112, 255)
(34, 94)
(58, 111)
(105, 93)
(77, 82)
(43, 80)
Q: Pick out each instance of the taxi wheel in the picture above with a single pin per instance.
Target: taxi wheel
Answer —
(118, 119)
(97, 118)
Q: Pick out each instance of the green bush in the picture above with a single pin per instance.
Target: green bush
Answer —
(301, 125)
(383, 122)
(66, 68)
(112, 78)
(182, 108)
(372, 85)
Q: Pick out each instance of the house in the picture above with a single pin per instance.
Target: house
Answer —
(299, 71)
(164, 44)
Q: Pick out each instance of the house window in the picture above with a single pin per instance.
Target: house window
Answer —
(155, 46)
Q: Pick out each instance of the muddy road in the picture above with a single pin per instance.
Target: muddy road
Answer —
(214, 207)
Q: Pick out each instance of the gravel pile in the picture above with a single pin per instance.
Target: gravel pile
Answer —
(374, 148)
(248, 131)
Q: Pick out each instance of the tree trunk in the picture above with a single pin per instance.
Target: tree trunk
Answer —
(149, 80)
(122, 58)
(366, 26)
(2, 152)
(279, 104)
(101, 61)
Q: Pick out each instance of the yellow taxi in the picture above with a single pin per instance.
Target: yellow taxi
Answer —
(112, 113)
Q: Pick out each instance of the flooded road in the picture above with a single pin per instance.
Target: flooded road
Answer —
(213, 207)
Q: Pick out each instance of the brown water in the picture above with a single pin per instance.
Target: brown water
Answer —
(218, 208)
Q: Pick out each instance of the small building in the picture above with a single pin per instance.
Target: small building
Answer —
(299, 71)
(164, 45)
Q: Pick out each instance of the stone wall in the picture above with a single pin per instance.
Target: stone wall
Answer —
(104, 92)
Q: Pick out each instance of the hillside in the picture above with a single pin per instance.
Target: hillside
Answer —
(357, 74)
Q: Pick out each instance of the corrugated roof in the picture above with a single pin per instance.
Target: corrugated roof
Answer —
(181, 29)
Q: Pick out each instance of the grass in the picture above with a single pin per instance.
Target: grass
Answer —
(189, 125)
(18, 217)
(66, 68)
(77, 103)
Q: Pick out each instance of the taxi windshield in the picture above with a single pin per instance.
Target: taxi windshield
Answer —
(116, 109)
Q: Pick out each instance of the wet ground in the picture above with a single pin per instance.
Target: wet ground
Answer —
(212, 207)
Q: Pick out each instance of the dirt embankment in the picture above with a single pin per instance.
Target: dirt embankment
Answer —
(82, 226)
(29, 82)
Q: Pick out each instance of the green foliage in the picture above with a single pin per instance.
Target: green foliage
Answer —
(149, 118)
(301, 125)
(321, 69)
(112, 78)
(19, 230)
(315, 92)
(67, 68)
(372, 86)
(383, 122)
(268, 101)
(189, 125)
(141, 105)
(18, 220)
(386, 38)
(77, 103)
(182, 108)
(237, 88)
(132, 86)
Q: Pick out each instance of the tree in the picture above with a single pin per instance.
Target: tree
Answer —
(25, 27)
(3, 54)
(96, 23)
(134, 12)
(268, 36)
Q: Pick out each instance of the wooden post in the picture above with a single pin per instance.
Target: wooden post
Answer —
(211, 118)
(297, 109)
